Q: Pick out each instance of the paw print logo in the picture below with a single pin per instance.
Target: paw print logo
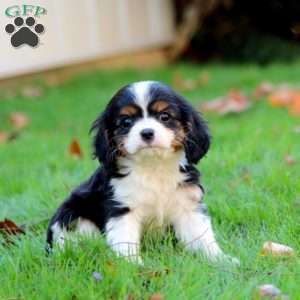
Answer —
(24, 33)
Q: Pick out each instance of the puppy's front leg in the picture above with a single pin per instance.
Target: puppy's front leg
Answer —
(123, 234)
(195, 230)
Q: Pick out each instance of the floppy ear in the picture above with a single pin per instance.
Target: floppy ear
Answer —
(101, 140)
(198, 138)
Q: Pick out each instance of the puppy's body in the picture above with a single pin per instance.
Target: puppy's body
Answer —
(148, 140)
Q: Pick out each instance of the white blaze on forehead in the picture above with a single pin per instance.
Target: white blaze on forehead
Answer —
(163, 137)
(141, 91)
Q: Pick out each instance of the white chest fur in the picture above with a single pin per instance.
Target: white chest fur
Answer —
(153, 188)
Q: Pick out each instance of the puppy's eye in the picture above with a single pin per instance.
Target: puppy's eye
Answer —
(126, 122)
(164, 117)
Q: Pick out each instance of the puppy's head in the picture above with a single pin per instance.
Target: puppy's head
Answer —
(149, 115)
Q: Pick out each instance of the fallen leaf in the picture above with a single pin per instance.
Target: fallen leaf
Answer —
(156, 296)
(281, 98)
(4, 137)
(283, 95)
(290, 160)
(276, 249)
(263, 89)
(183, 84)
(294, 108)
(187, 84)
(234, 102)
(75, 149)
(7, 228)
(97, 276)
(269, 290)
(286, 96)
(19, 120)
(32, 91)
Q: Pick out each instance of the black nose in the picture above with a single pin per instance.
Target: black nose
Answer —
(147, 134)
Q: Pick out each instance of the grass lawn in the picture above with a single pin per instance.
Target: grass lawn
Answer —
(253, 195)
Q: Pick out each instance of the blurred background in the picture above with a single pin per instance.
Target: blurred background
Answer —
(236, 61)
(117, 33)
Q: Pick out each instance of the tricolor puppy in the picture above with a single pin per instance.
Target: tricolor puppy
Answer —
(148, 140)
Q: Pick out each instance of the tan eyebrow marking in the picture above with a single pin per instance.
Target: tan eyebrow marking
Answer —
(129, 110)
(159, 105)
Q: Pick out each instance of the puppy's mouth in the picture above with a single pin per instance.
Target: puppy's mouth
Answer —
(151, 148)
(145, 148)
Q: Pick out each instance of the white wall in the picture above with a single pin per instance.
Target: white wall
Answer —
(78, 30)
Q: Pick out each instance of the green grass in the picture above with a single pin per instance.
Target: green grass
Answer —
(252, 194)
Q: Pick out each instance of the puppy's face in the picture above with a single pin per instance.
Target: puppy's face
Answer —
(149, 123)
(149, 115)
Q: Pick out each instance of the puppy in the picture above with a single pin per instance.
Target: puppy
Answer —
(148, 141)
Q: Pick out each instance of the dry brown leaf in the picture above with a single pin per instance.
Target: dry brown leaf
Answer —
(283, 96)
(4, 137)
(234, 102)
(276, 249)
(7, 228)
(129, 297)
(32, 91)
(263, 89)
(75, 149)
(187, 84)
(156, 296)
(183, 84)
(286, 96)
(294, 108)
(19, 120)
(290, 160)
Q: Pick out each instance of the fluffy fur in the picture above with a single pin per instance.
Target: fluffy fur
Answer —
(147, 140)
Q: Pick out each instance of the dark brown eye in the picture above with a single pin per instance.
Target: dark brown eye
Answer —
(126, 122)
(164, 117)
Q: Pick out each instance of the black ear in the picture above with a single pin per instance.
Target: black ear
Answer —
(198, 138)
(101, 139)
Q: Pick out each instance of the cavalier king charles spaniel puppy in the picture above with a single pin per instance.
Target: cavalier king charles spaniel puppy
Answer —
(148, 141)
